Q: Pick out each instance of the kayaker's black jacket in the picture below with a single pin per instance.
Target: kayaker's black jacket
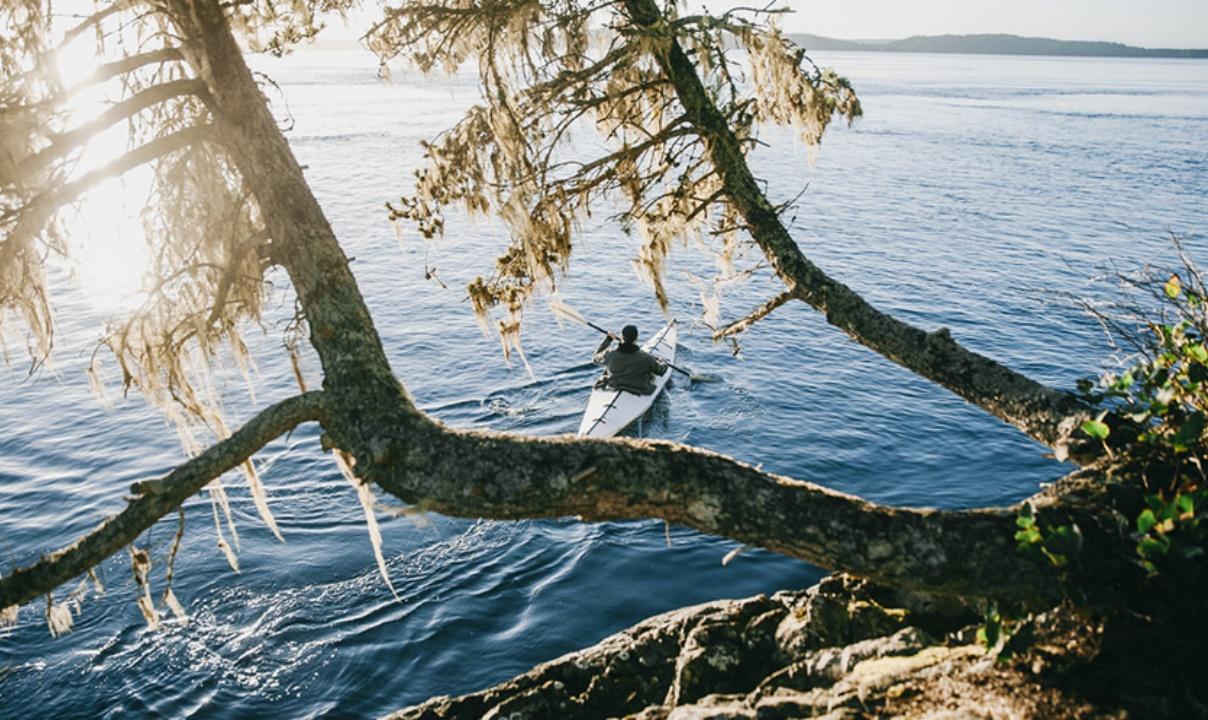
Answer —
(629, 367)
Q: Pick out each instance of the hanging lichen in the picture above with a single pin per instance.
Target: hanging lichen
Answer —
(169, 597)
(58, 617)
(365, 496)
(204, 285)
(140, 566)
(551, 71)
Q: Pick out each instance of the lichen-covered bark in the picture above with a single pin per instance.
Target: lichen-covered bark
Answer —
(968, 552)
(1046, 414)
(157, 499)
(363, 392)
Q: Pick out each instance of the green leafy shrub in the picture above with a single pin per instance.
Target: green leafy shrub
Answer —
(1058, 544)
(1156, 411)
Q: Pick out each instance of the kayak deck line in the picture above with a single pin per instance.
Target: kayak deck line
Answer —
(611, 404)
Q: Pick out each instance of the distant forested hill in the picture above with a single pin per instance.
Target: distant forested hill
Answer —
(993, 45)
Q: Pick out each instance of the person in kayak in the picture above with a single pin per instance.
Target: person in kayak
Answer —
(629, 367)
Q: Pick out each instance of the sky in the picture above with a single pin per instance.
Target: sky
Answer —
(1146, 23)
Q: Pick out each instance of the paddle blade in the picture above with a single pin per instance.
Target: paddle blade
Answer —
(562, 310)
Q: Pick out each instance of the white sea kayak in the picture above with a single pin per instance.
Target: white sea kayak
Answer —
(609, 411)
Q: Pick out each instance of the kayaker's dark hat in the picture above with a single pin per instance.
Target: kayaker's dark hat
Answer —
(629, 333)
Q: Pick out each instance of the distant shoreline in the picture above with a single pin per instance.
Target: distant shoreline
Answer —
(995, 45)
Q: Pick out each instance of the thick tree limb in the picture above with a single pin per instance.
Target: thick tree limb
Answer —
(1044, 413)
(967, 552)
(159, 498)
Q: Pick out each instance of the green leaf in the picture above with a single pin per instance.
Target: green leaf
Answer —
(1173, 286)
(1145, 521)
(1028, 537)
(1096, 429)
(989, 633)
(1152, 547)
(1186, 503)
(1125, 381)
(1066, 538)
(1197, 352)
(1025, 521)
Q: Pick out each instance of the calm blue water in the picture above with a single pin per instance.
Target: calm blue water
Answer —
(974, 194)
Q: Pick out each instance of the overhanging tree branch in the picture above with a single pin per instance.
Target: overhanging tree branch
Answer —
(66, 142)
(1043, 413)
(756, 315)
(127, 64)
(479, 474)
(110, 70)
(157, 499)
(33, 215)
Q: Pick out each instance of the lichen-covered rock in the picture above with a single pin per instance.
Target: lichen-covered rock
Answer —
(837, 611)
(724, 654)
(826, 666)
(621, 675)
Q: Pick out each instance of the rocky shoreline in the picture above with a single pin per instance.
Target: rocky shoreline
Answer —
(841, 649)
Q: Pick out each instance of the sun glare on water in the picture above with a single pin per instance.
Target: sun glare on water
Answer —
(109, 254)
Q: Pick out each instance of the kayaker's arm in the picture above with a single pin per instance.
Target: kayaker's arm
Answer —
(602, 351)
